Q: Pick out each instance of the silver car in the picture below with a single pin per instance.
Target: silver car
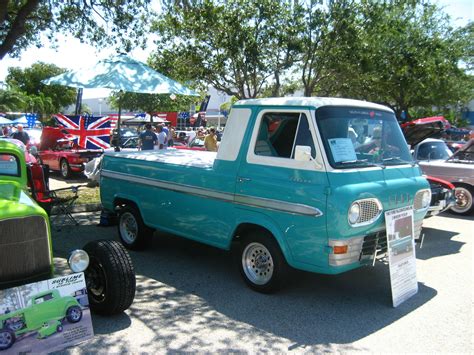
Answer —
(436, 160)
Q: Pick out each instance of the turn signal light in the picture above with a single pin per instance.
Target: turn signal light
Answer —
(340, 249)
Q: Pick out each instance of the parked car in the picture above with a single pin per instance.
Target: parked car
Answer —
(459, 170)
(26, 248)
(442, 196)
(287, 187)
(46, 307)
(195, 144)
(436, 159)
(58, 151)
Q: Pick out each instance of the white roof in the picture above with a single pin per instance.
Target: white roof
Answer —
(311, 101)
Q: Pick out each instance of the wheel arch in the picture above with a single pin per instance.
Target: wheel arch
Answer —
(265, 224)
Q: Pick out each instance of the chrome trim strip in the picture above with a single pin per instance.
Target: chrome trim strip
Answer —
(288, 207)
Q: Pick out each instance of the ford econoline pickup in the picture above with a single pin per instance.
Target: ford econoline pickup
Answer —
(296, 182)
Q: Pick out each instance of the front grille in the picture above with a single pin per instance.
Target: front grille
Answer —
(24, 250)
(374, 242)
(369, 209)
(417, 203)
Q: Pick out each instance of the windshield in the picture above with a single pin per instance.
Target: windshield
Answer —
(433, 151)
(360, 137)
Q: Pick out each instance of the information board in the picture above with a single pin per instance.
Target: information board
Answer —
(401, 254)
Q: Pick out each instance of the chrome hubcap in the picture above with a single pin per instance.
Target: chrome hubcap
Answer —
(128, 227)
(64, 168)
(463, 200)
(75, 314)
(257, 263)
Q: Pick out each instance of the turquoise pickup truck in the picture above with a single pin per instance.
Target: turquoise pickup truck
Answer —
(296, 182)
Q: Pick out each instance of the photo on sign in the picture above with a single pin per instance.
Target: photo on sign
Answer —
(45, 316)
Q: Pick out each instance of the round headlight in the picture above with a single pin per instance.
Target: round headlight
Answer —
(354, 213)
(426, 200)
(78, 260)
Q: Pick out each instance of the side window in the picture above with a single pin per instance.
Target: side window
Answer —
(9, 165)
(280, 132)
(48, 297)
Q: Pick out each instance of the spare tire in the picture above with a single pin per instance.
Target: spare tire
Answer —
(110, 277)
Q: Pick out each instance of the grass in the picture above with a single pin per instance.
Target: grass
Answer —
(88, 195)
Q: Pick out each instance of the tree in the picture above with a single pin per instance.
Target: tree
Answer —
(11, 100)
(40, 98)
(152, 102)
(408, 56)
(100, 22)
(235, 46)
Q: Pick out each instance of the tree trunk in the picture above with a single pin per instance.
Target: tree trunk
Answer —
(17, 29)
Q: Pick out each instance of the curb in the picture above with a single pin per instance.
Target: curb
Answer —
(91, 207)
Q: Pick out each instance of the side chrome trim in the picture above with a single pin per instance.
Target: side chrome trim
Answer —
(260, 202)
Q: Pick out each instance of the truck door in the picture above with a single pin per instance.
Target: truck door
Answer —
(275, 182)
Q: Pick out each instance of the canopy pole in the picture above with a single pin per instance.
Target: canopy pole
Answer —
(78, 101)
(116, 138)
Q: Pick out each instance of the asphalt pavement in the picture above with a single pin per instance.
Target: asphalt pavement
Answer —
(190, 298)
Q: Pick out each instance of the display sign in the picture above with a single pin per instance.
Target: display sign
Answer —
(342, 149)
(45, 316)
(401, 254)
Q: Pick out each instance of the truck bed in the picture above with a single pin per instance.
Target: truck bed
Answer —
(189, 158)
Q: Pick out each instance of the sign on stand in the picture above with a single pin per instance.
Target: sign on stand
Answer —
(45, 316)
(401, 254)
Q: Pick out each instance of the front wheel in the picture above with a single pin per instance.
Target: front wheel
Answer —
(65, 169)
(464, 204)
(110, 277)
(261, 262)
(74, 314)
(7, 339)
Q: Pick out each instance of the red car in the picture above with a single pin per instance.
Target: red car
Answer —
(195, 144)
(58, 151)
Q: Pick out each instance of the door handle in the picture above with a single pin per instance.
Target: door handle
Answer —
(243, 179)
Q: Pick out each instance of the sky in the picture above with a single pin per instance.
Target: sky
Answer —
(72, 54)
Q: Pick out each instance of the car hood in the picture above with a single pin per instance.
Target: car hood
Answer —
(429, 127)
(15, 202)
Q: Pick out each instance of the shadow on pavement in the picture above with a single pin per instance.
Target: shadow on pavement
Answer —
(186, 290)
(438, 243)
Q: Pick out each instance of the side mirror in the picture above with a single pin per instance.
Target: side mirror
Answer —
(303, 153)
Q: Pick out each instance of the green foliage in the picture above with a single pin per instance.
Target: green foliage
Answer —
(99, 22)
(402, 53)
(235, 46)
(37, 97)
(151, 102)
(11, 100)
(408, 56)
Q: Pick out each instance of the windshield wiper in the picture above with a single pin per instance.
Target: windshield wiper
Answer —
(359, 161)
(398, 159)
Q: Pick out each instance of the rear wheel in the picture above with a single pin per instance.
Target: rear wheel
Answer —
(464, 200)
(110, 277)
(65, 169)
(133, 232)
(261, 262)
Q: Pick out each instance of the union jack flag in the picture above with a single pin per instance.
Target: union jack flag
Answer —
(90, 132)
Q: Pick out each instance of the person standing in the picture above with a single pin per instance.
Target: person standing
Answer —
(147, 139)
(21, 135)
(162, 138)
(210, 142)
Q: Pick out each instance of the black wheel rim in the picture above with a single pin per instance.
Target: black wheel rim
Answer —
(96, 280)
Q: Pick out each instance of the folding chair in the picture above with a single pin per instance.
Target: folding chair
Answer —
(62, 203)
